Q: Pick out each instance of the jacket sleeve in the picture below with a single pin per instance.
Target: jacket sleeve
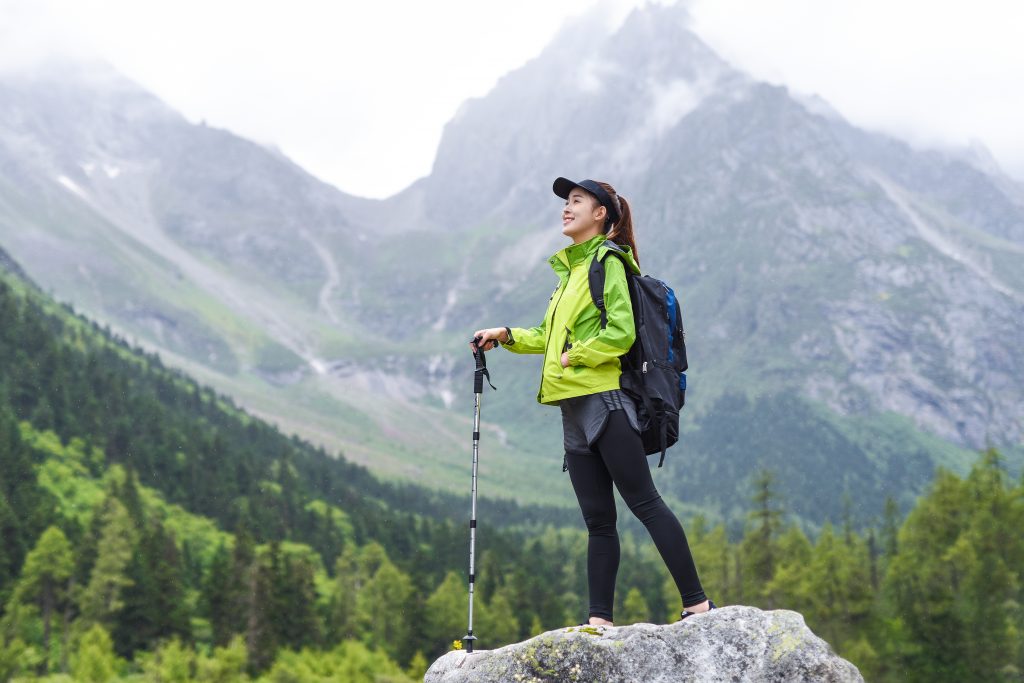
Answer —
(618, 335)
(528, 340)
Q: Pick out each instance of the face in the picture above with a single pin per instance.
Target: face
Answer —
(583, 217)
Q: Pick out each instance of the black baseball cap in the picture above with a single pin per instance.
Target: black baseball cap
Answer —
(563, 186)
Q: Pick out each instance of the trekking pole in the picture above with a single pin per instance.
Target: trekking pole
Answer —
(478, 390)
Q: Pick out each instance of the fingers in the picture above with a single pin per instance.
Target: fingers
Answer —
(484, 340)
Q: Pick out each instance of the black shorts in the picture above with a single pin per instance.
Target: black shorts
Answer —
(584, 418)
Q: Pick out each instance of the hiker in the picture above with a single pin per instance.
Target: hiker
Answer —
(581, 374)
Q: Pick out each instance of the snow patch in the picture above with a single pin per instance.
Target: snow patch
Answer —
(449, 304)
(452, 298)
(448, 397)
(71, 185)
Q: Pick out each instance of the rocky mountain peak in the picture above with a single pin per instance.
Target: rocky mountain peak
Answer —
(586, 105)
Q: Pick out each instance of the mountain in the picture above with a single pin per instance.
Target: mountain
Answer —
(154, 530)
(130, 472)
(853, 305)
(233, 262)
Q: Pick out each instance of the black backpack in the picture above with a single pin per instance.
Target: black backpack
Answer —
(654, 368)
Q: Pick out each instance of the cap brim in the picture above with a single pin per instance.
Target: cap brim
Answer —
(563, 186)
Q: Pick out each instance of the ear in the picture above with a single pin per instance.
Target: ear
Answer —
(600, 213)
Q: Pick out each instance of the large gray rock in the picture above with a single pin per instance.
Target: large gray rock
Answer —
(728, 644)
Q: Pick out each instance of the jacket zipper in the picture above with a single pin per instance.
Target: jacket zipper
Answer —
(551, 325)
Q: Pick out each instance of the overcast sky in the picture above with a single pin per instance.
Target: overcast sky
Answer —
(358, 93)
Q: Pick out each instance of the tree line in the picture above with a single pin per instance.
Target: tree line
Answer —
(325, 566)
(932, 597)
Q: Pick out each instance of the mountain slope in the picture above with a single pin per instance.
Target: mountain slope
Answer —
(872, 289)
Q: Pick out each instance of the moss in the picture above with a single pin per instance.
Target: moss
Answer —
(788, 643)
(592, 630)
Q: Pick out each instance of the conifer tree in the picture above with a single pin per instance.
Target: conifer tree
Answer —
(219, 599)
(44, 583)
(155, 608)
(260, 631)
(758, 549)
(94, 660)
(447, 614)
(342, 622)
(171, 662)
(225, 665)
(298, 623)
(789, 587)
(23, 504)
(838, 585)
(103, 598)
(383, 606)
(498, 622)
(634, 609)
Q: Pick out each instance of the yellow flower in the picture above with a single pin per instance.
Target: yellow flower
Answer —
(456, 644)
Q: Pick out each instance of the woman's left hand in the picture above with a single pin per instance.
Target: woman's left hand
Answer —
(565, 359)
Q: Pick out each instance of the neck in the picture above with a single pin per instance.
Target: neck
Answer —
(586, 236)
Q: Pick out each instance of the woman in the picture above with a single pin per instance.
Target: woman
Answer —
(581, 372)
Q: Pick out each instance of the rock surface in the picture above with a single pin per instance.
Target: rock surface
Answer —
(728, 644)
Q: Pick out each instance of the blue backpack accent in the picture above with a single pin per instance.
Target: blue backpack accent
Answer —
(654, 368)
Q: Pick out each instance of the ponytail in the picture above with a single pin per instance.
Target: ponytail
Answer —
(621, 232)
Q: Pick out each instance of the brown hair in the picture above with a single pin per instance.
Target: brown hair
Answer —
(622, 231)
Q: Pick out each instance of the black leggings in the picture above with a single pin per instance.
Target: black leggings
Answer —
(620, 459)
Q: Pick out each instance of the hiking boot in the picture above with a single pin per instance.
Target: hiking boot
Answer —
(711, 606)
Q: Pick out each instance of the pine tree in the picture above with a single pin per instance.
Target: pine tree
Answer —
(758, 549)
(219, 600)
(94, 660)
(260, 631)
(172, 662)
(838, 585)
(155, 607)
(102, 598)
(446, 614)
(23, 503)
(342, 622)
(789, 587)
(383, 607)
(499, 624)
(44, 582)
(634, 609)
(295, 594)
(926, 584)
(226, 664)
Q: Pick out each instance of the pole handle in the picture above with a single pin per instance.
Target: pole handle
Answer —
(481, 368)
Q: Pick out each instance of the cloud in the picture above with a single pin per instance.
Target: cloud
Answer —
(31, 35)
(932, 73)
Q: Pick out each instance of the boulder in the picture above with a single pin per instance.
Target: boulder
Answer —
(727, 644)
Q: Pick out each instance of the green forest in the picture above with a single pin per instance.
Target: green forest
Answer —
(153, 531)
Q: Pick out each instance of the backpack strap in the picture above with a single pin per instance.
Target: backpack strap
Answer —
(595, 277)
(653, 414)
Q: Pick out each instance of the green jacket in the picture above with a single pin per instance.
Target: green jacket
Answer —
(573, 323)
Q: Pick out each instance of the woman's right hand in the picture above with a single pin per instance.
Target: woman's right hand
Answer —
(489, 338)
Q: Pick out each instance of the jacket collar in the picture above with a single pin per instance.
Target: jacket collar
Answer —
(573, 254)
